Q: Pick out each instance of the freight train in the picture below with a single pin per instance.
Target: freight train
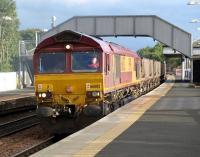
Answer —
(76, 73)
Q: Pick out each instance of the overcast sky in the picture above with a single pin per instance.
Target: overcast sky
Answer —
(38, 13)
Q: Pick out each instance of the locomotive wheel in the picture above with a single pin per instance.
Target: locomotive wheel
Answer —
(137, 93)
(115, 105)
(146, 89)
(106, 109)
(121, 103)
(142, 90)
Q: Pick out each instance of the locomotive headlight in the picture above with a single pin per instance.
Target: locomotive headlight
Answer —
(69, 47)
(47, 95)
(44, 95)
(95, 94)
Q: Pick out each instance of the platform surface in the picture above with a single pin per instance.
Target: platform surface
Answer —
(16, 94)
(162, 123)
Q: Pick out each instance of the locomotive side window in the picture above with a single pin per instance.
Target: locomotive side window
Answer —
(142, 69)
(150, 68)
(117, 66)
(85, 61)
(107, 63)
(52, 62)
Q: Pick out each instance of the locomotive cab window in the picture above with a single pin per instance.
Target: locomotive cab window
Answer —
(85, 61)
(52, 62)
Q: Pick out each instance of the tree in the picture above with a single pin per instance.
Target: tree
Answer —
(9, 35)
(155, 52)
(28, 36)
(173, 62)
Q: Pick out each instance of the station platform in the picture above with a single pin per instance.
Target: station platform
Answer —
(18, 93)
(162, 123)
(19, 99)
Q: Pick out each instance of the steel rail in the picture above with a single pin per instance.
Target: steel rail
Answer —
(36, 148)
(17, 109)
(18, 125)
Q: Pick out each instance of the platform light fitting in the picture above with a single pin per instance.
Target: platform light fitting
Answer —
(195, 21)
(193, 2)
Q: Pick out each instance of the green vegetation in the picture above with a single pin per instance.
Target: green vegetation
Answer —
(9, 36)
(28, 36)
(173, 62)
(155, 52)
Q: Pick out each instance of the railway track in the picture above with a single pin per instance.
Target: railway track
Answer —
(16, 104)
(18, 124)
(37, 147)
(16, 109)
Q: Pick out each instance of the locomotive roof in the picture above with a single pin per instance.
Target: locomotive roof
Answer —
(73, 36)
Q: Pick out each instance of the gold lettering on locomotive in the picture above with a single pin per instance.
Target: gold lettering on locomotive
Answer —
(39, 87)
(87, 86)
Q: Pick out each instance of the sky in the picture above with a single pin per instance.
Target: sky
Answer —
(38, 13)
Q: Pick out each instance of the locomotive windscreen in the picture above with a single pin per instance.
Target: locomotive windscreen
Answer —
(52, 62)
(85, 61)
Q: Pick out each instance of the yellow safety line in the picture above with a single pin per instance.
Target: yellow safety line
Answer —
(98, 144)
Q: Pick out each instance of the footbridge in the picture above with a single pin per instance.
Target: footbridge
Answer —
(148, 26)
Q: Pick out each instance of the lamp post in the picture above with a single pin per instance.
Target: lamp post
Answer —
(53, 21)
